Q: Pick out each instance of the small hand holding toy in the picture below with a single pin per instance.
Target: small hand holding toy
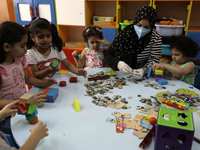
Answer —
(75, 54)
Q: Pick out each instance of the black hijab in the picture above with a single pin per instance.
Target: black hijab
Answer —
(131, 46)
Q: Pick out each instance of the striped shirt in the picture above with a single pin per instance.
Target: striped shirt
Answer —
(149, 55)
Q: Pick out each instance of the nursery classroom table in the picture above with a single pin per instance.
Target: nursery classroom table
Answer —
(88, 129)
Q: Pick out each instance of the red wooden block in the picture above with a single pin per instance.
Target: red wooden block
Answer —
(73, 80)
(62, 83)
(22, 108)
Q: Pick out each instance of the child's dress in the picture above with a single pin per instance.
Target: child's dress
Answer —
(186, 78)
(94, 58)
(13, 79)
(13, 85)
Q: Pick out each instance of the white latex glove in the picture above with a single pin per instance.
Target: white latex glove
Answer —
(138, 74)
(124, 68)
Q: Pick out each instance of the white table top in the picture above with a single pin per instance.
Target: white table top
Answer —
(88, 129)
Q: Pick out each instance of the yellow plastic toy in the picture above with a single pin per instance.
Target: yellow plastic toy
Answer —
(158, 72)
(76, 105)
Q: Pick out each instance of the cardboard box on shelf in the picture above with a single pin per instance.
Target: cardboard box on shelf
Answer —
(100, 20)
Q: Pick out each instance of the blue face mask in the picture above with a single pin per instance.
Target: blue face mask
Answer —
(140, 31)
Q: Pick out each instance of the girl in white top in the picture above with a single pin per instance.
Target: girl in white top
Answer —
(47, 47)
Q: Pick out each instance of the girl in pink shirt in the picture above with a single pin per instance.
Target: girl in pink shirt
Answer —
(13, 40)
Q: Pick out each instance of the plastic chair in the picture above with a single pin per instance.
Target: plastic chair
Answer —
(197, 81)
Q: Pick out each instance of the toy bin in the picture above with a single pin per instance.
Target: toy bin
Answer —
(170, 30)
(123, 25)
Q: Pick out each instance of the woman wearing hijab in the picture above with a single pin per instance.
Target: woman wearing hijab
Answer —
(137, 46)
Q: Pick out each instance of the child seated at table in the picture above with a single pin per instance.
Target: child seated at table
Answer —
(181, 67)
(37, 133)
(92, 57)
(13, 73)
(47, 48)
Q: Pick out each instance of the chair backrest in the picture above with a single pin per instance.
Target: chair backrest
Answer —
(197, 81)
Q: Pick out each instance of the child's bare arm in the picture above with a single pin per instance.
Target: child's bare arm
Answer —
(43, 73)
(8, 110)
(176, 71)
(37, 133)
(37, 82)
(80, 61)
(104, 42)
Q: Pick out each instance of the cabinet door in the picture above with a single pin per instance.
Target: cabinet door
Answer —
(70, 12)
(45, 9)
(23, 11)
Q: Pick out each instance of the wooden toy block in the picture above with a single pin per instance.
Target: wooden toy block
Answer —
(32, 108)
(145, 142)
(34, 121)
(162, 81)
(158, 77)
(62, 83)
(158, 72)
(73, 80)
(22, 108)
(52, 94)
(30, 118)
(54, 63)
(76, 105)
(98, 78)
(112, 72)
(149, 72)
(26, 98)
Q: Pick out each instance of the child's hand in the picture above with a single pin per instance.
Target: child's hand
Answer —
(51, 69)
(158, 66)
(39, 131)
(104, 42)
(38, 98)
(82, 72)
(75, 53)
(49, 82)
(8, 110)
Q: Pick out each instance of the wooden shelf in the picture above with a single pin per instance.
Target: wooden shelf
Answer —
(109, 26)
(118, 0)
(194, 28)
(173, 0)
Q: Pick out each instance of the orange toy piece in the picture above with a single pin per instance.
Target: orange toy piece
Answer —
(164, 22)
(153, 121)
(174, 23)
(34, 121)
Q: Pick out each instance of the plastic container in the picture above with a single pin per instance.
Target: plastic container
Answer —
(123, 25)
(169, 30)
